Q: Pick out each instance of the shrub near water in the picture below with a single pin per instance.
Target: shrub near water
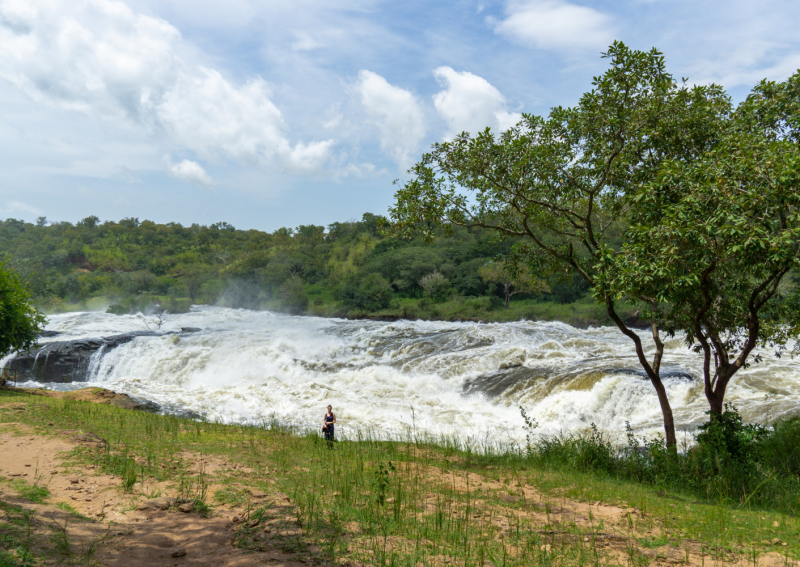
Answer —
(781, 449)
(743, 463)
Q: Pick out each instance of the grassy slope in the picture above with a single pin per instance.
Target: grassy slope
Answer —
(418, 503)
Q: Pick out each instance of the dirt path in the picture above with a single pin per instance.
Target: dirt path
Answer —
(124, 529)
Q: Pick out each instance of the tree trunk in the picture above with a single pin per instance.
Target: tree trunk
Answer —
(655, 377)
(715, 404)
(666, 412)
(507, 289)
(725, 370)
(716, 396)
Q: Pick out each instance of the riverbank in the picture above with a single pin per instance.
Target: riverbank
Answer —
(290, 500)
(90, 395)
(580, 314)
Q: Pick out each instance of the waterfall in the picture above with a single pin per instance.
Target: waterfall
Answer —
(466, 379)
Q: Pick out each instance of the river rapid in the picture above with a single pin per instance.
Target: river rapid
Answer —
(462, 379)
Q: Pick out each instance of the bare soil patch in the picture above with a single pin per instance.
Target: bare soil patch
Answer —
(125, 528)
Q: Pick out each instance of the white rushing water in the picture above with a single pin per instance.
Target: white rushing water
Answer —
(467, 379)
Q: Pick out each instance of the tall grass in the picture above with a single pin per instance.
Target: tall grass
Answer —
(428, 501)
(742, 464)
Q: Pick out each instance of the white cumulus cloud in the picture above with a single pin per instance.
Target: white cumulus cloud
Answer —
(469, 103)
(16, 207)
(102, 57)
(397, 114)
(189, 171)
(555, 25)
(87, 54)
(208, 114)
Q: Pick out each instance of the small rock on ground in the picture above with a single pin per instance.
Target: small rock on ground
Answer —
(156, 504)
(178, 552)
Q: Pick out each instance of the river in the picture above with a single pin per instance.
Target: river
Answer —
(463, 379)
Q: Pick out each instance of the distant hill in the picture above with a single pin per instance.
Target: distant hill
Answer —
(348, 269)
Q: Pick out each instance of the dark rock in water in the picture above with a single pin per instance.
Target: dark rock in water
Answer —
(505, 380)
(190, 329)
(148, 405)
(512, 377)
(45, 334)
(66, 361)
(664, 373)
(165, 409)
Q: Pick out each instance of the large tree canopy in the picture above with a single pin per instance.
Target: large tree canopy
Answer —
(591, 189)
(20, 322)
(710, 240)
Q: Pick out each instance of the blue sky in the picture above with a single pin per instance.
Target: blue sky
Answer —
(267, 114)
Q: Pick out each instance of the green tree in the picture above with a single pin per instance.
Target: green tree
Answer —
(436, 286)
(88, 222)
(712, 239)
(513, 281)
(292, 296)
(370, 292)
(563, 183)
(20, 322)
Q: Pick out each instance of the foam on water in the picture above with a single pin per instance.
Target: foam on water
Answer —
(460, 378)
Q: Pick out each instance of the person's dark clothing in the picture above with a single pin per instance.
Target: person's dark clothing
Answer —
(329, 427)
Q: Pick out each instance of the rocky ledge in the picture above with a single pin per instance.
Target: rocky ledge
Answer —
(68, 361)
(93, 395)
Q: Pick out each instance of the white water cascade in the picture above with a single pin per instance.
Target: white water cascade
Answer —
(467, 379)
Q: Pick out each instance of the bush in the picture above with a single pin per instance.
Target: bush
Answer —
(436, 286)
(780, 450)
(495, 303)
(587, 452)
(725, 458)
(246, 294)
(293, 297)
(117, 309)
(138, 304)
(370, 293)
(732, 460)
(177, 305)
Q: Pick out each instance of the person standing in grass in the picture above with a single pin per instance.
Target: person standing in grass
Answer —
(328, 426)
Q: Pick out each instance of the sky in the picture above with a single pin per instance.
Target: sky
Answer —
(266, 114)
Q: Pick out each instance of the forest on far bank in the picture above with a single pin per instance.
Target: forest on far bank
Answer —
(348, 269)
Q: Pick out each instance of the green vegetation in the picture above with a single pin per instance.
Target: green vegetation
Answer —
(29, 538)
(349, 270)
(20, 323)
(72, 511)
(16, 536)
(654, 193)
(33, 492)
(417, 501)
(743, 464)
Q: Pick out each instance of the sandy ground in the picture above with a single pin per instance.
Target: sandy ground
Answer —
(131, 531)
